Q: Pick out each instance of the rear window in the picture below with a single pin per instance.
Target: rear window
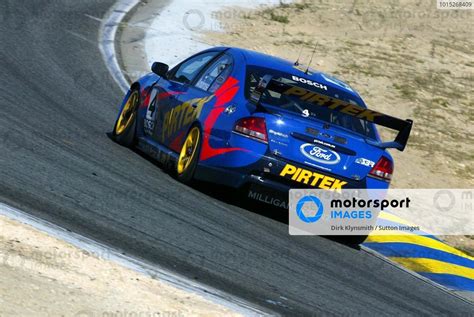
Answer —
(305, 109)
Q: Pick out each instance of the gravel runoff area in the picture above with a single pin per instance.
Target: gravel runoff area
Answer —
(44, 276)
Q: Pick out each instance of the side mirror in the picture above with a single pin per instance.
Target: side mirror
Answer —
(257, 93)
(161, 69)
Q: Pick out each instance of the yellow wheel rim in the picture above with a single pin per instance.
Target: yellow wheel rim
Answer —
(128, 113)
(188, 150)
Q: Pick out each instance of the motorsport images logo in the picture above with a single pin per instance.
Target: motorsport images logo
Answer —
(309, 205)
(310, 209)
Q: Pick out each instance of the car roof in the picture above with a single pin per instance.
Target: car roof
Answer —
(264, 60)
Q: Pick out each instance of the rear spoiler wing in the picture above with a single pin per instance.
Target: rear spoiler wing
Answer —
(402, 126)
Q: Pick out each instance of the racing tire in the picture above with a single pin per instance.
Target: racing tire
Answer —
(125, 127)
(350, 240)
(357, 240)
(189, 156)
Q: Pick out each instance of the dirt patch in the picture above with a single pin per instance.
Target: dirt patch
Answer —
(406, 58)
(44, 276)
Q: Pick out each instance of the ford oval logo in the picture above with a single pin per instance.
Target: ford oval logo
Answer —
(319, 154)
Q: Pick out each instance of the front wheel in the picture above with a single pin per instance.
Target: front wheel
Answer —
(189, 156)
(125, 127)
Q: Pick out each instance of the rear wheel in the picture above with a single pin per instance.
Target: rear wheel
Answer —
(356, 240)
(125, 127)
(188, 157)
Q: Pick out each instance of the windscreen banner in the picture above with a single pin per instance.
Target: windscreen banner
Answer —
(381, 212)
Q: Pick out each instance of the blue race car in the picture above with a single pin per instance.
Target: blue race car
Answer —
(245, 119)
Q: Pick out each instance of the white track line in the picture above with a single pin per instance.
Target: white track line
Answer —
(107, 36)
(140, 266)
(108, 30)
(465, 297)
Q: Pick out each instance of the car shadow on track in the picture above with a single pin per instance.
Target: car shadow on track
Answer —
(238, 198)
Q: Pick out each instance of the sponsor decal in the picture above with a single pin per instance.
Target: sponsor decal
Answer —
(267, 199)
(319, 154)
(230, 109)
(278, 133)
(313, 179)
(149, 121)
(365, 162)
(190, 110)
(151, 104)
(158, 155)
(278, 142)
(182, 115)
(150, 111)
(309, 82)
(333, 103)
(326, 144)
(276, 152)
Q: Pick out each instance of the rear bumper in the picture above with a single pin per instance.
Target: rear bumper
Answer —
(263, 182)
(266, 172)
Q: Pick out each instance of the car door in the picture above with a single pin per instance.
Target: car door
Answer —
(161, 122)
(201, 92)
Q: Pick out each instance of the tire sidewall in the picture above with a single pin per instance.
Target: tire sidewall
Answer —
(127, 138)
(188, 175)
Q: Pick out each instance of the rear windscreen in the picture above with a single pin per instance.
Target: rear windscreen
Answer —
(305, 109)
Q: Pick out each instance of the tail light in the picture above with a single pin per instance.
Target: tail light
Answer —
(253, 127)
(383, 169)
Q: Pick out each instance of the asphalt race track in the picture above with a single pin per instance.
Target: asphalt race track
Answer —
(57, 104)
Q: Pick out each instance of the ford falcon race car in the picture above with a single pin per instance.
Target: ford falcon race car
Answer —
(245, 119)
